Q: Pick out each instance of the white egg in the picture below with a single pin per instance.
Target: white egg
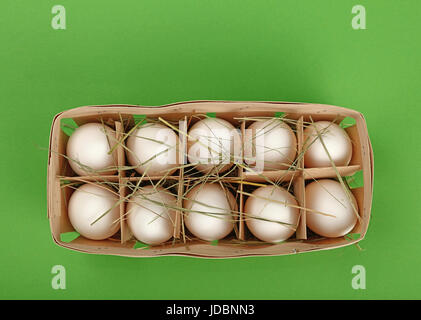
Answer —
(151, 215)
(209, 209)
(336, 140)
(88, 150)
(87, 204)
(268, 217)
(270, 145)
(329, 197)
(152, 148)
(213, 145)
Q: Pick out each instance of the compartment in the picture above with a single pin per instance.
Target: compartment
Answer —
(132, 125)
(286, 174)
(64, 169)
(62, 223)
(130, 186)
(235, 144)
(293, 188)
(329, 172)
(228, 185)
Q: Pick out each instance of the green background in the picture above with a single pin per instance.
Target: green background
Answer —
(155, 52)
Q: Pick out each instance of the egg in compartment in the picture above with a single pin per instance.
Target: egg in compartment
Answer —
(89, 150)
(213, 145)
(209, 211)
(326, 142)
(151, 214)
(152, 150)
(270, 145)
(334, 208)
(271, 213)
(94, 212)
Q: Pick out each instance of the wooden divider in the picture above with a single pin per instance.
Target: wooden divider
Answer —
(125, 233)
(182, 151)
(241, 232)
(299, 183)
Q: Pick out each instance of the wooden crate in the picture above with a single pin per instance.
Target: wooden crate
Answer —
(123, 243)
